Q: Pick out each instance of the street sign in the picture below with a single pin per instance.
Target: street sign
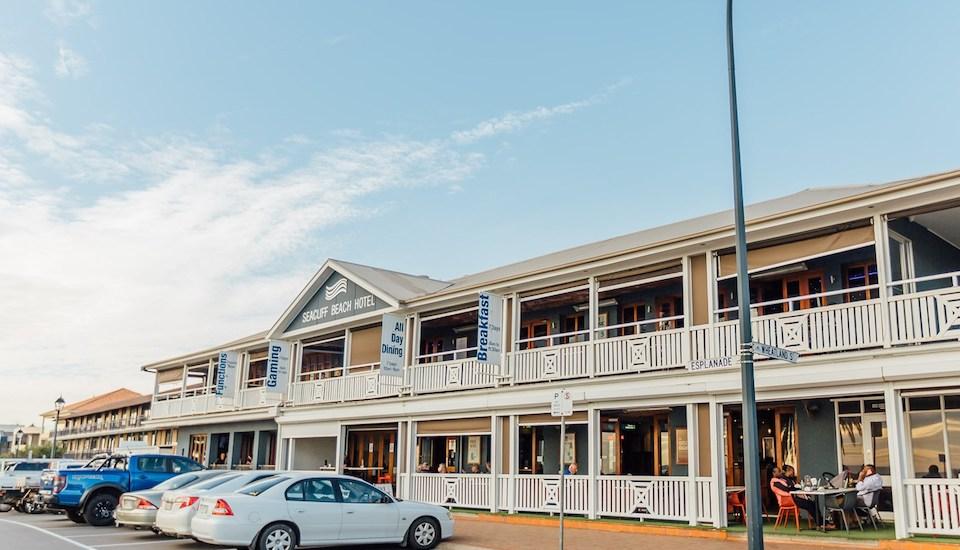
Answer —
(712, 363)
(562, 403)
(774, 352)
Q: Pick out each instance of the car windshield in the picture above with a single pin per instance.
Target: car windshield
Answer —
(177, 482)
(259, 487)
(215, 482)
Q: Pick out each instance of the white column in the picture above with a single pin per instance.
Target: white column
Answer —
(495, 459)
(718, 464)
(412, 458)
(881, 245)
(514, 458)
(896, 441)
(692, 463)
(256, 449)
(291, 450)
(592, 319)
(341, 448)
(593, 460)
(347, 342)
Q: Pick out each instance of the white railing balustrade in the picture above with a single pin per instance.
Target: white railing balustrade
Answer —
(645, 497)
(454, 490)
(933, 506)
(452, 375)
(553, 363)
(540, 493)
(707, 506)
(649, 351)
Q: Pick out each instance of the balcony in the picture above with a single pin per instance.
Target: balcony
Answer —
(885, 320)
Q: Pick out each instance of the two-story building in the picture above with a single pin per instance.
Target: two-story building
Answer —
(104, 422)
(862, 281)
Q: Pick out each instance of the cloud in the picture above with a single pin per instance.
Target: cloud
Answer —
(515, 121)
(120, 250)
(70, 64)
(66, 12)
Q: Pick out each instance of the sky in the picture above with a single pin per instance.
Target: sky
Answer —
(172, 173)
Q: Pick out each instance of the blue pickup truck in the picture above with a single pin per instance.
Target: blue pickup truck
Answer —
(89, 495)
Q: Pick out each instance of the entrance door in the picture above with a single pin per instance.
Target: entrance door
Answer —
(535, 329)
(875, 445)
(198, 448)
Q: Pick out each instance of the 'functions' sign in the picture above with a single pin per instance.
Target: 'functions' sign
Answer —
(391, 345)
(226, 380)
(337, 298)
(489, 328)
(278, 366)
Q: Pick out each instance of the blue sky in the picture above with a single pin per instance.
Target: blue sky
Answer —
(171, 161)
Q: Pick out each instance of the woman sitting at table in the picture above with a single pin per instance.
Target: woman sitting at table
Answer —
(783, 484)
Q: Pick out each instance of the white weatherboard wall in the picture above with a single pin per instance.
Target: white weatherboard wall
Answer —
(311, 452)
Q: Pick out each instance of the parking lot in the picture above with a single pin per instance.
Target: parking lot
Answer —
(56, 532)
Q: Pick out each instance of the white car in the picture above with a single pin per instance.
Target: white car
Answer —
(178, 506)
(316, 509)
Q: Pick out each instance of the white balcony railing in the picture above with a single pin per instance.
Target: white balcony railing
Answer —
(895, 320)
(454, 490)
(933, 506)
(541, 493)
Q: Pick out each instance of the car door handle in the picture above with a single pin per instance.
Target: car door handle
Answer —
(349, 511)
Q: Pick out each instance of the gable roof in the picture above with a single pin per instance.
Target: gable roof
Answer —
(401, 286)
(663, 234)
(116, 399)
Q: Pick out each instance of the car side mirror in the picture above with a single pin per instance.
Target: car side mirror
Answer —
(385, 499)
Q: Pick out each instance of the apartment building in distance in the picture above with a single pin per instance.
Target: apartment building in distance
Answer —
(103, 422)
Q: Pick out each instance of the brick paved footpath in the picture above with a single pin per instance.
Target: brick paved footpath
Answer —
(496, 533)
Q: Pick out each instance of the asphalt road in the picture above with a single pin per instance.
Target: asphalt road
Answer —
(56, 532)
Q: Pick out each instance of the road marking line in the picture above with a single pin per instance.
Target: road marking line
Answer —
(114, 534)
(54, 535)
(134, 543)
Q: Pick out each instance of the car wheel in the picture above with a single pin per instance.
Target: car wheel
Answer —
(5, 507)
(99, 510)
(277, 537)
(76, 516)
(424, 534)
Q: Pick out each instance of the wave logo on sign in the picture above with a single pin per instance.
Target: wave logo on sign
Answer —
(336, 289)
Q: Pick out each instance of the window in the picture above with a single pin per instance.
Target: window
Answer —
(179, 465)
(575, 323)
(256, 489)
(296, 491)
(176, 482)
(535, 329)
(861, 275)
(358, 492)
(319, 490)
(152, 464)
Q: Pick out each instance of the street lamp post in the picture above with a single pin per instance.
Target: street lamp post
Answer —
(58, 404)
(750, 436)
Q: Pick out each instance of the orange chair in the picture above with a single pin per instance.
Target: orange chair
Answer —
(735, 504)
(787, 507)
(384, 478)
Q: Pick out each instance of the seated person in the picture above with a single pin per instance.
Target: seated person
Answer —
(933, 472)
(571, 469)
(869, 481)
(784, 484)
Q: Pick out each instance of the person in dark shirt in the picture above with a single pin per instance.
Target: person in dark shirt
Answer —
(785, 483)
(933, 472)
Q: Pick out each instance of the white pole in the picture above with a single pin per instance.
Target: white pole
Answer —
(563, 436)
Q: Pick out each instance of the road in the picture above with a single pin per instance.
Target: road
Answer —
(56, 532)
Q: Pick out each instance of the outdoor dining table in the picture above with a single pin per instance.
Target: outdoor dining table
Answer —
(821, 497)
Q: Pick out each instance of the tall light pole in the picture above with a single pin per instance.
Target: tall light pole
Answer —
(58, 404)
(750, 437)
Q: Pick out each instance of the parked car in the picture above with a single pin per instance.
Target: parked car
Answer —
(138, 509)
(90, 495)
(179, 506)
(316, 509)
(19, 480)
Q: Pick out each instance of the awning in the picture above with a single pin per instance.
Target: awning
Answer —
(456, 426)
(787, 253)
(170, 375)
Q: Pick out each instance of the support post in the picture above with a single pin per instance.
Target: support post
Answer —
(717, 465)
(881, 245)
(593, 458)
(495, 453)
(592, 334)
(514, 458)
(693, 464)
(897, 443)
(412, 458)
(750, 436)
